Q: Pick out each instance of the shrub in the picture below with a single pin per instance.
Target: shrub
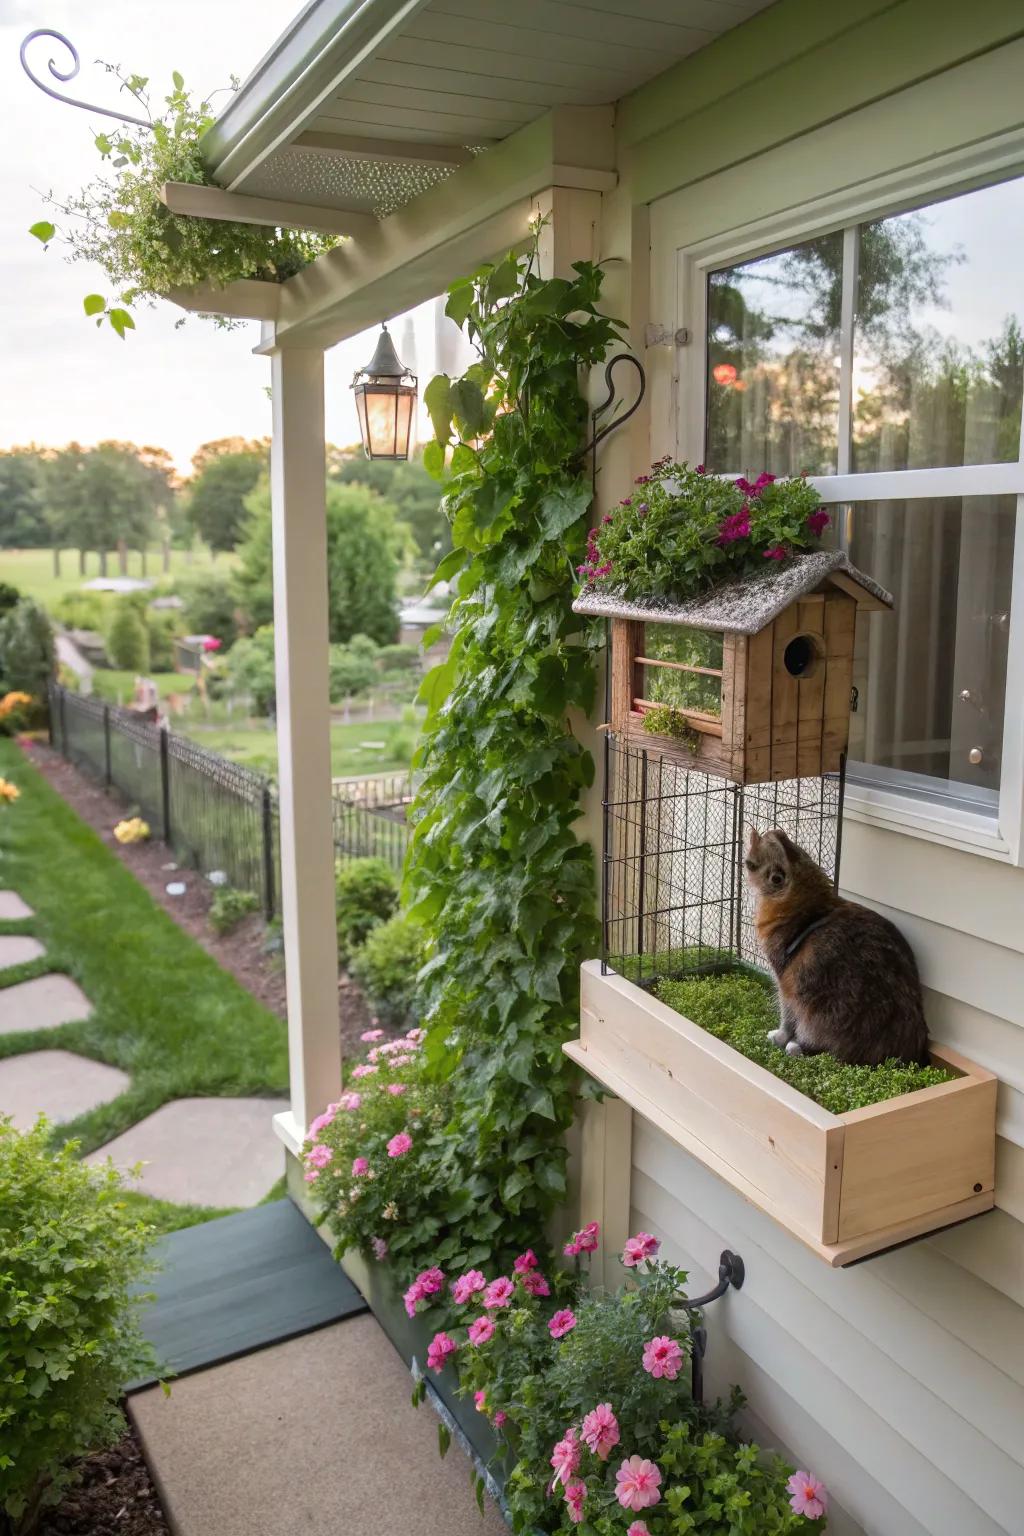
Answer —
(26, 649)
(128, 639)
(161, 629)
(229, 907)
(71, 1255)
(10, 597)
(365, 895)
(250, 670)
(16, 711)
(387, 965)
(211, 606)
(398, 660)
(82, 610)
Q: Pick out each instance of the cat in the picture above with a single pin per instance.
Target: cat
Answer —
(847, 979)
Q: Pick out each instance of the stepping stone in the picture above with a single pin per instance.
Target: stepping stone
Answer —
(18, 949)
(42, 1003)
(203, 1151)
(58, 1084)
(12, 908)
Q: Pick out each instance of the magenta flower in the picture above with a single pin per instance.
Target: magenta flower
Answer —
(380, 1249)
(360, 1168)
(432, 1281)
(372, 1034)
(565, 1458)
(319, 1156)
(467, 1285)
(438, 1350)
(601, 1430)
(808, 1496)
(608, 517)
(627, 501)
(638, 1528)
(363, 1070)
(525, 1261)
(637, 1482)
(480, 1331)
(575, 1498)
(411, 1297)
(642, 480)
(644, 1246)
(350, 1101)
(736, 526)
(700, 470)
(499, 1418)
(562, 1323)
(534, 1284)
(480, 1399)
(499, 1293)
(400, 1144)
(777, 552)
(663, 1357)
(818, 521)
(397, 1088)
(588, 1237)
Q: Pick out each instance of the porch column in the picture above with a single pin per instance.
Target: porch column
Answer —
(297, 471)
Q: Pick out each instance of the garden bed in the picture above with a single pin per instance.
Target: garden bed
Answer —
(114, 1496)
(847, 1184)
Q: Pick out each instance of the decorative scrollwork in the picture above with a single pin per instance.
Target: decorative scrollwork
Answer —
(69, 74)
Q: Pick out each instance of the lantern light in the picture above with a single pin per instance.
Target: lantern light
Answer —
(385, 394)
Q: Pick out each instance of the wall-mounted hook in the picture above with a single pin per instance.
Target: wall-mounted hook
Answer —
(731, 1273)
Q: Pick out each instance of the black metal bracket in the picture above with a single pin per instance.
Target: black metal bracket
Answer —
(731, 1274)
(599, 410)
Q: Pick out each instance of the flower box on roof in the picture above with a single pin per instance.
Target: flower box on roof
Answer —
(752, 677)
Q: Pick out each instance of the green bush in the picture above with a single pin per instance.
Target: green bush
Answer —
(26, 649)
(128, 639)
(82, 610)
(229, 907)
(161, 629)
(365, 894)
(386, 968)
(70, 1256)
(211, 605)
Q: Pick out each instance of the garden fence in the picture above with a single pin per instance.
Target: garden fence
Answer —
(213, 813)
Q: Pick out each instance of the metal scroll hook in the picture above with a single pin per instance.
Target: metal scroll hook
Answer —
(65, 75)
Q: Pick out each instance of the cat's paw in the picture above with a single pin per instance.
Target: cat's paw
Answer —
(777, 1037)
(794, 1048)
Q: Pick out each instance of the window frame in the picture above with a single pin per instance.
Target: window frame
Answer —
(998, 836)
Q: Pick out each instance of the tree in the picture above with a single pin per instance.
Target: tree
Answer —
(211, 606)
(415, 496)
(216, 504)
(128, 639)
(207, 452)
(23, 522)
(105, 497)
(250, 668)
(26, 649)
(353, 667)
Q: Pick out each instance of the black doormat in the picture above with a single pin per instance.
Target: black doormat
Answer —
(237, 1284)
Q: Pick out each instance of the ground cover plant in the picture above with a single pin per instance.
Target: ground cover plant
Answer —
(163, 1009)
(740, 1009)
(365, 895)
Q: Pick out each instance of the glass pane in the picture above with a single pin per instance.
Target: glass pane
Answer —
(939, 350)
(691, 648)
(773, 361)
(931, 676)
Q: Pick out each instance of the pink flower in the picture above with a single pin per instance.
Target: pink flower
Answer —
(565, 1458)
(700, 470)
(319, 1156)
(412, 1296)
(480, 1399)
(818, 521)
(637, 1249)
(319, 1124)
(416, 1035)
(480, 1331)
(777, 552)
(467, 1285)
(601, 1430)
(499, 1293)
(636, 1483)
(438, 1350)
(534, 1284)
(360, 1168)
(638, 1528)
(400, 1061)
(350, 1101)
(211, 643)
(575, 1498)
(363, 1070)
(525, 1261)
(562, 1323)
(380, 1249)
(808, 1496)
(399, 1144)
(311, 1177)
(396, 1088)
(588, 1237)
(663, 1357)
(499, 1418)
(735, 527)
(372, 1034)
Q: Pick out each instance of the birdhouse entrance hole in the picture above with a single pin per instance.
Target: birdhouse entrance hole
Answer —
(803, 655)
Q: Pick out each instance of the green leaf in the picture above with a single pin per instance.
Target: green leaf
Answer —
(43, 231)
(118, 220)
(460, 301)
(438, 401)
(468, 404)
(179, 81)
(444, 1439)
(433, 459)
(94, 304)
(562, 507)
(103, 144)
(121, 320)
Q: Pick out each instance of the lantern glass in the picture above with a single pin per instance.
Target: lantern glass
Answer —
(385, 393)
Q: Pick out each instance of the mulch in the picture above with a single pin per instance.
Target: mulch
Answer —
(115, 1496)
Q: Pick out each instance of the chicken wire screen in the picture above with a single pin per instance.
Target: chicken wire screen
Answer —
(674, 897)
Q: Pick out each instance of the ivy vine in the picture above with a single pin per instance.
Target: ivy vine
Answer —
(496, 870)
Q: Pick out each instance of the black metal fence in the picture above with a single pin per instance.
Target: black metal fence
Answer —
(213, 813)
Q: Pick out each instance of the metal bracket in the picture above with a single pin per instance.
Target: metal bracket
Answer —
(65, 75)
(731, 1273)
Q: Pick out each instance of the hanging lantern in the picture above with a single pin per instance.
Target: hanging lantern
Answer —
(385, 394)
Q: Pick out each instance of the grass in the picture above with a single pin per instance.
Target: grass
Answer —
(254, 743)
(164, 1010)
(115, 687)
(740, 1009)
(31, 570)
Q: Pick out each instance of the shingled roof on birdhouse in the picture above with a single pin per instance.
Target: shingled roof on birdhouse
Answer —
(750, 680)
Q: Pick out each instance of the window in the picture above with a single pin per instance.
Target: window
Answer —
(883, 349)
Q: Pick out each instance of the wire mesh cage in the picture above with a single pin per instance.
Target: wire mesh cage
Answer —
(675, 900)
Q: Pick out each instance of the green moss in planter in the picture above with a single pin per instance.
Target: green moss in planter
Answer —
(740, 1009)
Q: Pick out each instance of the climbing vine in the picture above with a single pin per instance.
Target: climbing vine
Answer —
(496, 871)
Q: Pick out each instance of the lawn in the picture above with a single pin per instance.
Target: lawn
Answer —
(115, 687)
(31, 570)
(164, 1010)
(254, 743)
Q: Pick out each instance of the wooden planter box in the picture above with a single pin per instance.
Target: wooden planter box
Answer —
(846, 1185)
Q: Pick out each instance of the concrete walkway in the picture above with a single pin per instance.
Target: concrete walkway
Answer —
(315, 1435)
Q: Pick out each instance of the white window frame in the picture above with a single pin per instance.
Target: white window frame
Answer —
(1000, 836)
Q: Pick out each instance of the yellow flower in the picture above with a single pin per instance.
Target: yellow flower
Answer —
(8, 791)
(134, 830)
(13, 701)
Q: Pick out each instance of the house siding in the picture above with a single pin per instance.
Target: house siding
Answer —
(899, 1381)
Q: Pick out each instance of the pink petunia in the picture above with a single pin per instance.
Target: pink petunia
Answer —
(400, 1144)
(320, 1124)
(397, 1088)
(818, 521)
(565, 1458)
(350, 1101)
(525, 1261)
(807, 1496)
(663, 1357)
(363, 1070)
(369, 1035)
(319, 1156)
(499, 1418)
(575, 1498)
(360, 1167)
(700, 470)
(638, 1528)
(601, 1430)
(777, 552)
(588, 1237)
(432, 1280)
(417, 1035)
(380, 1249)
(534, 1284)
(499, 1293)
(480, 1331)
(438, 1350)
(480, 1399)
(562, 1323)
(637, 1249)
(737, 526)
(467, 1285)
(411, 1297)
(637, 1482)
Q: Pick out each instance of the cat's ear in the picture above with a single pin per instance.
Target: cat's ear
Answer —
(788, 847)
(753, 840)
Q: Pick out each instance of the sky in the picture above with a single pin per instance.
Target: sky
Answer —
(61, 379)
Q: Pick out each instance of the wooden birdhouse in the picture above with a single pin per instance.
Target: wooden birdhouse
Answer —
(750, 681)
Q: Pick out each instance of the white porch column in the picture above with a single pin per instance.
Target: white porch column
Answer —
(298, 472)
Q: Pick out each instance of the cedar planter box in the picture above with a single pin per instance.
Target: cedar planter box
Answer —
(847, 1185)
